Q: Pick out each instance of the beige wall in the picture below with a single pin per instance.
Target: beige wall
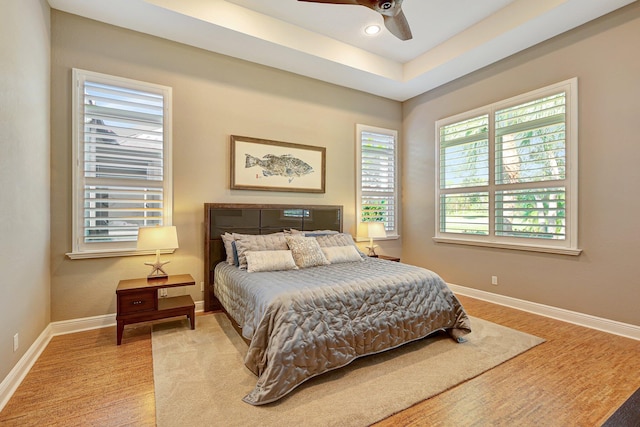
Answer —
(214, 96)
(604, 280)
(24, 176)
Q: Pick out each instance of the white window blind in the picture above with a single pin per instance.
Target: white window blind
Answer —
(464, 153)
(377, 177)
(464, 164)
(520, 190)
(531, 160)
(122, 153)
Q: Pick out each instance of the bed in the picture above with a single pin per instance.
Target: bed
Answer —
(317, 313)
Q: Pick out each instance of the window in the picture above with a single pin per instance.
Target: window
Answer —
(296, 213)
(377, 175)
(507, 173)
(122, 158)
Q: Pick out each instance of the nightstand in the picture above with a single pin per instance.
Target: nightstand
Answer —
(388, 258)
(137, 301)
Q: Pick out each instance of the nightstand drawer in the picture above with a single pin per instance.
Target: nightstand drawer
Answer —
(136, 302)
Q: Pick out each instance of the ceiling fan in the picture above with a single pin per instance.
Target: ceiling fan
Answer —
(391, 11)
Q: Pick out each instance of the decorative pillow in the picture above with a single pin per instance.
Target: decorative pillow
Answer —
(270, 261)
(263, 242)
(306, 251)
(317, 233)
(236, 236)
(338, 254)
(227, 239)
(313, 233)
(340, 239)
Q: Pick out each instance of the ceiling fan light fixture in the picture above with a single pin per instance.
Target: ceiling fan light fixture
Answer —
(372, 30)
(391, 11)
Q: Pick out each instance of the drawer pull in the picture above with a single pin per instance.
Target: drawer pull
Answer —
(137, 302)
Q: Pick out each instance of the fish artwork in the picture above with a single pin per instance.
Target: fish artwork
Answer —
(286, 165)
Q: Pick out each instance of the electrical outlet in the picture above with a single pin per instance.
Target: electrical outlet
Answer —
(201, 286)
(163, 292)
(494, 280)
(16, 342)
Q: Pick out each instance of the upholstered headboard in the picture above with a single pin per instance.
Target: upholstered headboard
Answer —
(220, 218)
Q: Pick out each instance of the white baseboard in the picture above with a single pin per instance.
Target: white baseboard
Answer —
(85, 324)
(586, 320)
(22, 368)
(11, 382)
(96, 322)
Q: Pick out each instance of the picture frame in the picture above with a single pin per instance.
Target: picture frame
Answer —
(262, 164)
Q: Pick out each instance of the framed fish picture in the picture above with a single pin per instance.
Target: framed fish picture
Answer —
(261, 164)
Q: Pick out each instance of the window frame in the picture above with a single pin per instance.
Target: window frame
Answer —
(568, 246)
(80, 249)
(394, 232)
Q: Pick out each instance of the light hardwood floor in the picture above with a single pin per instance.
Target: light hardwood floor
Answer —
(578, 377)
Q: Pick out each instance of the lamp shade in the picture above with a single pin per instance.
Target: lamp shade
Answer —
(372, 230)
(154, 238)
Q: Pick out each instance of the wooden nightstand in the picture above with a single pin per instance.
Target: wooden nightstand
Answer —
(137, 301)
(388, 258)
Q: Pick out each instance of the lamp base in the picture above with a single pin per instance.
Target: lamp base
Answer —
(372, 251)
(157, 272)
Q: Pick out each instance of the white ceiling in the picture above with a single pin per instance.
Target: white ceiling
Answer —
(451, 38)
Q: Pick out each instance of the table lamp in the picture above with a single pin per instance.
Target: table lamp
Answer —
(372, 230)
(156, 239)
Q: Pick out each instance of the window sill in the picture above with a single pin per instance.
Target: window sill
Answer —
(513, 246)
(113, 253)
(366, 239)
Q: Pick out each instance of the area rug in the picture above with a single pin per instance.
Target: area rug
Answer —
(200, 377)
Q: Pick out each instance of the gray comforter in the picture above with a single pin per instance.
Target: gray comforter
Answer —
(305, 322)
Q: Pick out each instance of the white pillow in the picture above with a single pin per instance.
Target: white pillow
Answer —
(340, 239)
(270, 261)
(338, 254)
(258, 242)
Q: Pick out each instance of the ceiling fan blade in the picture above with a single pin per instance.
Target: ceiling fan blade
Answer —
(391, 11)
(332, 1)
(398, 26)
